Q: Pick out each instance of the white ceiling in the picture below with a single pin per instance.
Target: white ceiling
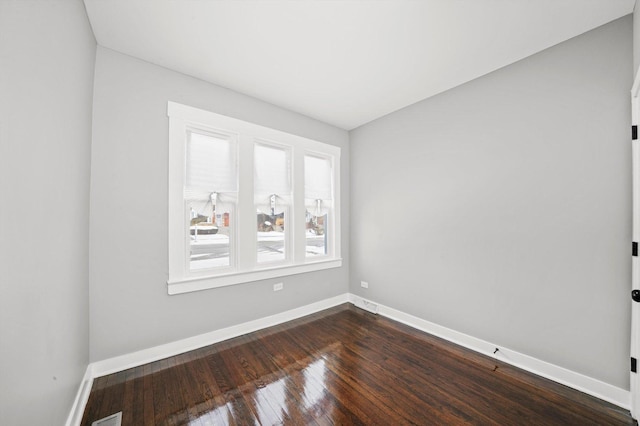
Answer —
(342, 62)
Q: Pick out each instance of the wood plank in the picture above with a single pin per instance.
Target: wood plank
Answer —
(137, 399)
(128, 397)
(239, 410)
(148, 409)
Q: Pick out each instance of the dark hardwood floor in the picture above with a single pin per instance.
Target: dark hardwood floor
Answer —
(341, 366)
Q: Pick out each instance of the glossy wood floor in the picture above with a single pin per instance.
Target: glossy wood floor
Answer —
(342, 366)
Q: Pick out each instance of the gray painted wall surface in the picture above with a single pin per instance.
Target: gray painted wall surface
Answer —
(636, 38)
(130, 308)
(47, 53)
(502, 208)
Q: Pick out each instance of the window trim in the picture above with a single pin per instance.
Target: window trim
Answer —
(183, 118)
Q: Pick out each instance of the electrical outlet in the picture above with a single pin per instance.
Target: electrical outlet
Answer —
(364, 284)
(278, 286)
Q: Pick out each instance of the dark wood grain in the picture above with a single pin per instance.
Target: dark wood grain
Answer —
(342, 366)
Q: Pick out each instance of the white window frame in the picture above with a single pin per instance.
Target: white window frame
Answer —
(184, 118)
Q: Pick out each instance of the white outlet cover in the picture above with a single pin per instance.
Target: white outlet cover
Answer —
(278, 286)
(364, 284)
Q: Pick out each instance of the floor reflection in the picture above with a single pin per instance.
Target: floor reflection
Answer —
(313, 394)
(293, 394)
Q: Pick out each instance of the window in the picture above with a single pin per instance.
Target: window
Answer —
(210, 190)
(318, 192)
(247, 202)
(272, 188)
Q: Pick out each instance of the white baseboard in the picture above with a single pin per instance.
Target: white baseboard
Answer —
(553, 372)
(588, 385)
(77, 409)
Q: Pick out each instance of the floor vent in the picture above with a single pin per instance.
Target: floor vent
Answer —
(367, 306)
(112, 420)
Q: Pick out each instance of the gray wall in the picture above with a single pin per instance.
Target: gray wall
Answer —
(636, 38)
(47, 53)
(130, 308)
(502, 208)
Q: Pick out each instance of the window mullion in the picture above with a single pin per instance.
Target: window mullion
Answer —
(298, 225)
(246, 230)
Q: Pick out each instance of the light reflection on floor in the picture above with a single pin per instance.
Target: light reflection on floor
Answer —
(273, 401)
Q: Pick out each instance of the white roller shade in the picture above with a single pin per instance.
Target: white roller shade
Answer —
(317, 178)
(271, 171)
(211, 165)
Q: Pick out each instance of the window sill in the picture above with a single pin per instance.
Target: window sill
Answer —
(187, 285)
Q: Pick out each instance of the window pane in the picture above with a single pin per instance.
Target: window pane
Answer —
(271, 168)
(211, 164)
(272, 186)
(316, 235)
(210, 171)
(318, 197)
(271, 242)
(317, 178)
(209, 235)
